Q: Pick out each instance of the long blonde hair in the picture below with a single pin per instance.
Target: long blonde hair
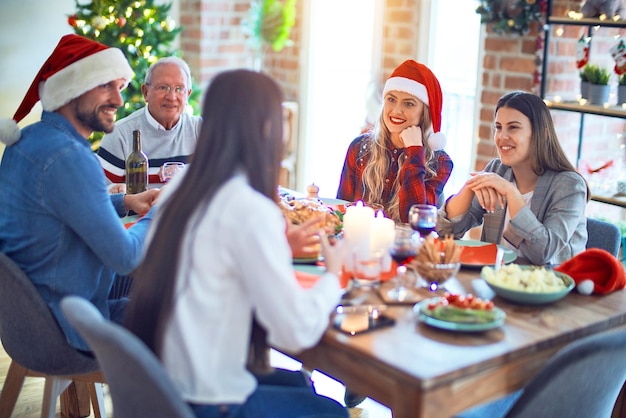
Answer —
(379, 159)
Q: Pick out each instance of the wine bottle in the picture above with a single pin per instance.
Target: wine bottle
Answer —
(136, 167)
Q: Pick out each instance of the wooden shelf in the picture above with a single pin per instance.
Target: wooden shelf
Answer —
(613, 111)
(611, 200)
(607, 23)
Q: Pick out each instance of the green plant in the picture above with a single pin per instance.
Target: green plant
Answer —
(583, 76)
(511, 16)
(597, 75)
(622, 80)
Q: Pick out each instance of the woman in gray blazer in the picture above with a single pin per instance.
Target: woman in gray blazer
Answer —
(531, 199)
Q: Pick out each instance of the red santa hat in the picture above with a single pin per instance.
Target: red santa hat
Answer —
(76, 66)
(417, 79)
(595, 271)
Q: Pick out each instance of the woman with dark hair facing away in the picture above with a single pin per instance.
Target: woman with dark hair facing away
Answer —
(531, 199)
(217, 277)
(401, 161)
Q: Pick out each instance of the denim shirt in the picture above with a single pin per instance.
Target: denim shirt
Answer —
(59, 223)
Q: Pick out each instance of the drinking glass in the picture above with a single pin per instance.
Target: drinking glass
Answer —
(402, 250)
(170, 169)
(366, 271)
(423, 219)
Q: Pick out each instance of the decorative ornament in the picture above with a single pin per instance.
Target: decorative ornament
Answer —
(618, 52)
(511, 16)
(98, 22)
(72, 21)
(121, 21)
(582, 51)
(269, 24)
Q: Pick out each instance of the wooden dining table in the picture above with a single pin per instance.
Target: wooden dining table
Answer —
(421, 371)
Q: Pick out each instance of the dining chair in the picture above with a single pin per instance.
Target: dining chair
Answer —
(137, 380)
(38, 348)
(583, 379)
(605, 235)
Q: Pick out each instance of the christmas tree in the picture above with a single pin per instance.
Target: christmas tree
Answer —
(143, 31)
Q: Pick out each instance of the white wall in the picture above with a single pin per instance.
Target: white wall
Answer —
(29, 31)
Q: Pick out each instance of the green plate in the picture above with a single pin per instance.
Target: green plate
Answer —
(533, 298)
(420, 308)
(508, 257)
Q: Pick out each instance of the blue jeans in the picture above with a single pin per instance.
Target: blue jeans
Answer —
(283, 394)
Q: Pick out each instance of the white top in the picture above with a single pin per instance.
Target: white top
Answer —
(527, 197)
(236, 261)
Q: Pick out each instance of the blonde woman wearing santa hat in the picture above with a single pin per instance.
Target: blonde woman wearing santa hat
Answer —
(57, 220)
(530, 199)
(400, 162)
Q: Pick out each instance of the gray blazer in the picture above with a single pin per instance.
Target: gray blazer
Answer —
(552, 230)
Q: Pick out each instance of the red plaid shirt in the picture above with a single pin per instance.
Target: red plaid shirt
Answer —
(413, 187)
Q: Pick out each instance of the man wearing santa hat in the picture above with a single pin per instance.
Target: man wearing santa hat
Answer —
(57, 220)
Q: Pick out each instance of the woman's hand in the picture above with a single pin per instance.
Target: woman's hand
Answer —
(304, 238)
(490, 189)
(333, 254)
(141, 202)
(412, 136)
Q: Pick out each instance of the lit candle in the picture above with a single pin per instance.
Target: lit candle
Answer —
(382, 233)
(357, 223)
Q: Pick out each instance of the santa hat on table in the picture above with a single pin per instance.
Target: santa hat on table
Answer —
(595, 271)
(76, 66)
(417, 79)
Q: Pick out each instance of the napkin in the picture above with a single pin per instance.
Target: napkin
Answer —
(601, 267)
(483, 254)
(308, 280)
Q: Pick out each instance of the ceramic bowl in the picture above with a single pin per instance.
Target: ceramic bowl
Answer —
(532, 298)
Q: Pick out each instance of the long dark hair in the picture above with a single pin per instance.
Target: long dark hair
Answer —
(546, 152)
(241, 130)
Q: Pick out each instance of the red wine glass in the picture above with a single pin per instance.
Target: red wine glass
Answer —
(423, 219)
(402, 251)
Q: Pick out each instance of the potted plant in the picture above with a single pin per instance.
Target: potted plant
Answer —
(584, 84)
(598, 84)
(621, 89)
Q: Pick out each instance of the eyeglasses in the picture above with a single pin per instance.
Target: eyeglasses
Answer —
(164, 89)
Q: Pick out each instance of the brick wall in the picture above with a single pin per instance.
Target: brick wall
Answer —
(212, 41)
(400, 32)
(508, 64)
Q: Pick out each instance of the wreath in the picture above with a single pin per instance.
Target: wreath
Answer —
(511, 16)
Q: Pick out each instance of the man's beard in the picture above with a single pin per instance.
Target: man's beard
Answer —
(92, 120)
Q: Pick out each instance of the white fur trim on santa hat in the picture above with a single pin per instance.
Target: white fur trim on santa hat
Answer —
(9, 131)
(83, 75)
(408, 86)
(436, 141)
